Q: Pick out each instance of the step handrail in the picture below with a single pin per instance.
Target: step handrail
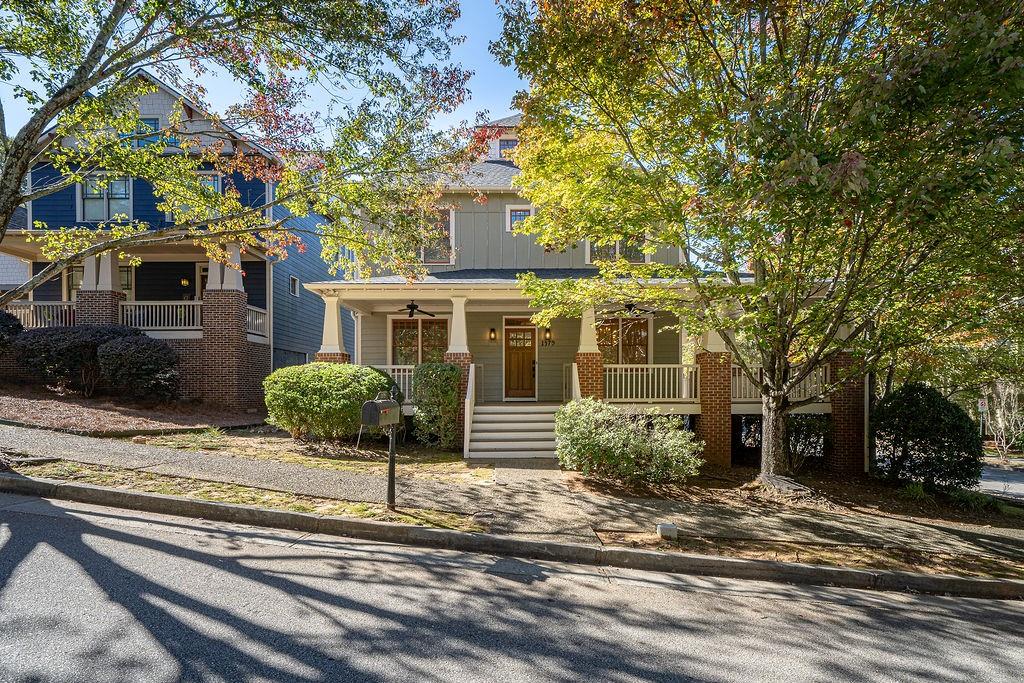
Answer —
(467, 420)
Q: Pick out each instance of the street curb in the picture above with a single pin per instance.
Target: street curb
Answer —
(407, 534)
(125, 433)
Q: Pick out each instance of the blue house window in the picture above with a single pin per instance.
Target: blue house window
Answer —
(103, 199)
(506, 146)
(146, 125)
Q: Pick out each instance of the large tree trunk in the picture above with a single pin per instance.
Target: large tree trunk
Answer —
(773, 436)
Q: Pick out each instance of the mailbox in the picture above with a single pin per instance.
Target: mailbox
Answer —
(383, 411)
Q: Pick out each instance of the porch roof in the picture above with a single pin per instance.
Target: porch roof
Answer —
(469, 276)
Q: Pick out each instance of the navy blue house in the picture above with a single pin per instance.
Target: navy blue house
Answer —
(176, 293)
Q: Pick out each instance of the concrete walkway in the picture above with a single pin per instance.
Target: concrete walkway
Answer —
(532, 501)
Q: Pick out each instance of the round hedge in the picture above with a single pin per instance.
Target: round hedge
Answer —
(141, 367)
(920, 436)
(69, 354)
(321, 400)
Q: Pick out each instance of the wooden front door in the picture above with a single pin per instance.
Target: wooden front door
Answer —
(520, 366)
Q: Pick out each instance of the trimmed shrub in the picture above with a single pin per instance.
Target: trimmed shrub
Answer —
(10, 327)
(624, 445)
(435, 388)
(809, 439)
(393, 389)
(321, 400)
(920, 436)
(68, 354)
(141, 367)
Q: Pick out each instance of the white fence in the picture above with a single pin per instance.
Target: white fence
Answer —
(402, 374)
(663, 383)
(256, 321)
(43, 313)
(745, 391)
(163, 315)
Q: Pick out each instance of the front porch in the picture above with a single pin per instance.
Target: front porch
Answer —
(484, 326)
(216, 316)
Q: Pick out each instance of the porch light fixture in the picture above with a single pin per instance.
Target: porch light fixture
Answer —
(547, 334)
(185, 282)
(493, 334)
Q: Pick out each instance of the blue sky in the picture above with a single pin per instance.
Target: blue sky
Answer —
(492, 85)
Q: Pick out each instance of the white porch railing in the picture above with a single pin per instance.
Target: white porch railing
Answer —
(657, 383)
(745, 391)
(43, 313)
(256, 321)
(402, 374)
(163, 315)
(467, 426)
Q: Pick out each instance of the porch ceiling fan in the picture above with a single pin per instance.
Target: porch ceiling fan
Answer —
(414, 309)
(632, 310)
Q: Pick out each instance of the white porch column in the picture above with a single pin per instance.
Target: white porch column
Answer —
(233, 269)
(108, 279)
(712, 342)
(359, 339)
(459, 342)
(90, 273)
(588, 332)
(332, 326)
(213, 274)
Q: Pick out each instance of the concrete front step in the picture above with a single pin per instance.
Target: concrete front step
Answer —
(510, 455)
(515, 408)
(534, 435)
(513, 444)
(513, 417)
(518, 427)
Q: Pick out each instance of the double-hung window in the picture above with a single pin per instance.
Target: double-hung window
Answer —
(105, 198)
(441, 249)
(624, 340)
(76, 273)
(625, 249)
(418, 340)
(505, 147)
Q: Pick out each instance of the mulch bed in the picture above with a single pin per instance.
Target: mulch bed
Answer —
(107, 416)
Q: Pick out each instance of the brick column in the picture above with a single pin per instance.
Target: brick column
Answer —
(98, 307)
(341, 357)
(463, 360)
(590, 366)
(715, 424)
(848, 438)
(225, 349)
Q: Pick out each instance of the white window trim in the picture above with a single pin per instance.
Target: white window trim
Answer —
(590, 261)
(298, 286)
(650, 334)
(68, 294)
(419, 332)
(509, 208)
(80, 200)
(137, 142)
(169, 215)
(451, 245)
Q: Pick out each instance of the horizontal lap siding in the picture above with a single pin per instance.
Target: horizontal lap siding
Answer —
(254, 282)
(51, 290)
(374, 334)
(298, 321)
(666, 342)
(58, 209)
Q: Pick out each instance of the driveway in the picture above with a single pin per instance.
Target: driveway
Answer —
(1003, 482)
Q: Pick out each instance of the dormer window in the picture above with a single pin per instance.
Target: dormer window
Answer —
(505, 147)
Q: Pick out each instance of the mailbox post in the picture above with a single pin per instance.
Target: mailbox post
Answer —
(385, 413)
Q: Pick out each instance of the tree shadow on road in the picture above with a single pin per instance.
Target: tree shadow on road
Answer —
(237, 605)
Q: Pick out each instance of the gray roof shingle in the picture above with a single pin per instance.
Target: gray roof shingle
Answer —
(477, 276)
(507, 122)
(493, 173)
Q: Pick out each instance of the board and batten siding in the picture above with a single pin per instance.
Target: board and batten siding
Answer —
(481, 240)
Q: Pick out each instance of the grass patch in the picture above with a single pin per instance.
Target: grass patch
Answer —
(265, 444)
(147, 482)
(838, 555)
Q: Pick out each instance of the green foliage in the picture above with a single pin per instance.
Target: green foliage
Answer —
(915, 491)
(10, 327)
(920, 436)
(867, 151)
(394, 390)
(974, 501)
(321, 400)
(370, 155)
(140, 367)
(435, 388)
(604, 441)
(809, 437)
(69, 354)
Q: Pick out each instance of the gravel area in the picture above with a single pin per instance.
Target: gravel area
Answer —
(98, 415)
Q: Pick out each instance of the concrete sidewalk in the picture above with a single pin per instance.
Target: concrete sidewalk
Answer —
(534, 503)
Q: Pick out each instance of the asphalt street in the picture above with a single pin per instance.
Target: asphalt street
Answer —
(100, 594)
(1007, 483)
